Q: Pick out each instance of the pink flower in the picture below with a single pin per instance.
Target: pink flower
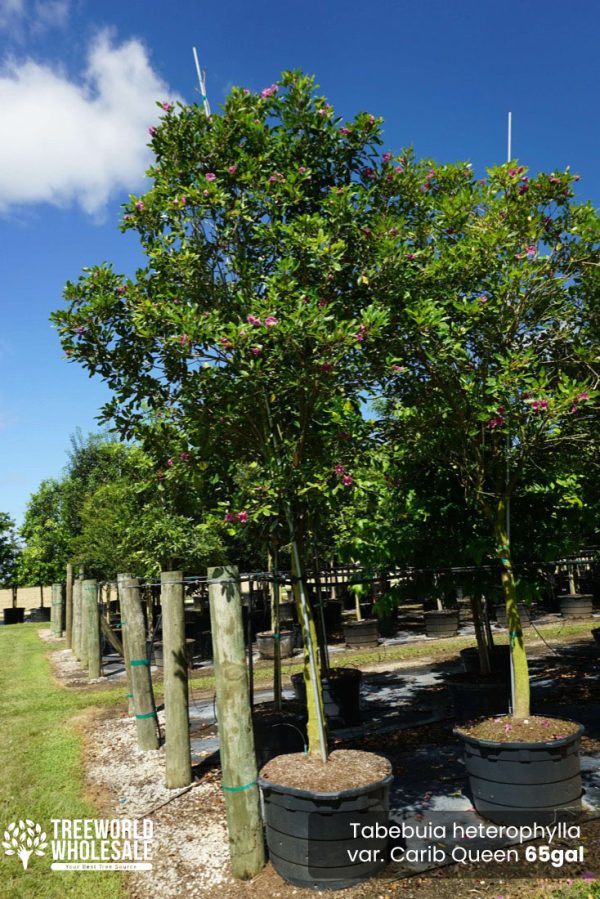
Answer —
(152, 131)
(277, 177)
(205, 192)
(368, 172)
(255, 350)
(371, 120)
(80, 329)
(269, 91)
(512, 173)
(301, 170)
(347, 480)
(229, 517)
(576, 177)
(210, 176)
(167, 106)
(554, 179)
(121, 289)
(482, 182)
(531, 251)
(340, 469)
(169, 462)
(399, 169)
(322, 302)
(344, 131)
(326, 367)
(501, 410)
(242, 517)
(397, 369)
(387, 157)
(508, 728)
(184, 339)
(225, 343)
(523, 189)
(574, 407)
(253, 320)
(232, 169)
(583, 396)
(482, 298)
(139, 205)
(324, 109)
(495, 422)
(411, 256)
(271, 321)
(184, 457)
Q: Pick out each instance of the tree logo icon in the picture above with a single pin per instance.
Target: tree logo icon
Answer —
(24, 839)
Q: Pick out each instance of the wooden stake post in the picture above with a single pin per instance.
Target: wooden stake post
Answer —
(92, 617)
(69, 606)
(236, 738)
(56, 610)
(139, 664)
(77, 617)
(178, 760)
(121, 578)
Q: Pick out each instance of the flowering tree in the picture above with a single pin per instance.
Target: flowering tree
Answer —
(493, 301)
(243, 338)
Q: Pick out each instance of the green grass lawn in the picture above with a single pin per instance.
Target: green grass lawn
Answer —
(41, 774)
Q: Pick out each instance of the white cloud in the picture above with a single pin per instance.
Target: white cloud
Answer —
(11, 11)
(77, 140)
(50, 13)
(20, 17)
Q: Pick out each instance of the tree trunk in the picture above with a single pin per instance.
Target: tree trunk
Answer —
(521, 699)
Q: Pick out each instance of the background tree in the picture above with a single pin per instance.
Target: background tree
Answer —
(490, 286)
(9, 550)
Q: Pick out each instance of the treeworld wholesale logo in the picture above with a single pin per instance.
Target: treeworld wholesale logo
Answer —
(84, 844)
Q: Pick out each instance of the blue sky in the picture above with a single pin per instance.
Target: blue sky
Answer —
(78, 81)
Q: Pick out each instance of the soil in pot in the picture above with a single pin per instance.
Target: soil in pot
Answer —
(500, 660)
(523, 772)
(278, 732)
(309, 807)
(577, 606)
(361, 633)
(477, 695)
(266, 644)
(441, 624)
(341, 694)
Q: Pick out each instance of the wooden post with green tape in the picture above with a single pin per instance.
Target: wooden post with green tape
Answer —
(120, 580)
(139, 664)
(69, 605)
(77, 617)
(92, 617)
(236, 737)
(178, 760)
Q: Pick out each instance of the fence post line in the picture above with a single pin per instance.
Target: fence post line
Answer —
(236, 737)
(69, 605)
(92, 616)
(139, 663)
(178, 759)
(83, 626)
(126, 656)
(56, 610)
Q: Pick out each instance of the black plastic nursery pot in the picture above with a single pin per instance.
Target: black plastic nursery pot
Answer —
(14, 615)
(596, 634)
(480, 696)
(500, 660)
(524, 783)
(158, 652)
(309, 835)
(361, 633)
(277, 733)
(577, 606)
(332, 612)
(341, 694)
(524, 614)
(441, 624)
(266, 644)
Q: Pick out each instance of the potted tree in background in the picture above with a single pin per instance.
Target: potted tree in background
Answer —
(494, 310)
